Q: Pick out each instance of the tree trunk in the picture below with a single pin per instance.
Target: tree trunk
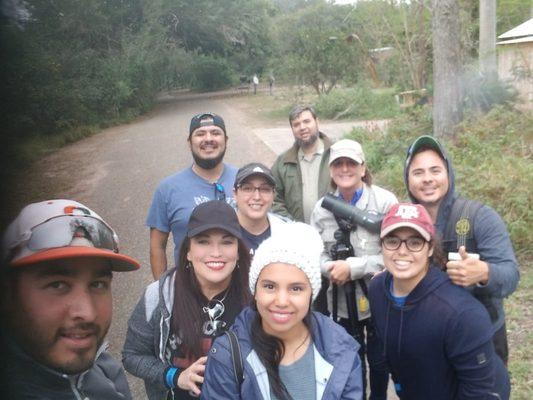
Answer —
(447, 67)
(487, 38)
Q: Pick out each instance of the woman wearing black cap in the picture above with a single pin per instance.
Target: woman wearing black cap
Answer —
(174, 323)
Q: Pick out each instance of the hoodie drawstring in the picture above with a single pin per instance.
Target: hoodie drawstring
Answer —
(386, 330)
(400, 332)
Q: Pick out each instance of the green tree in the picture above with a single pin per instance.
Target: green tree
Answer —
(511, 13)
(237, 30)
(404, 26)
(313, 47)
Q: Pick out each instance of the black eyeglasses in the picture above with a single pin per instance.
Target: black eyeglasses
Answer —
(250, 189)
(220, 194)
(414, 243)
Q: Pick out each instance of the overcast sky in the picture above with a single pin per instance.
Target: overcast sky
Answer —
(345, 1)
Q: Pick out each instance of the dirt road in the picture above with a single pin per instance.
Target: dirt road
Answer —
(116, 171)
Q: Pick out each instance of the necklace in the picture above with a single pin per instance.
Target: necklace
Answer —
(215, 309)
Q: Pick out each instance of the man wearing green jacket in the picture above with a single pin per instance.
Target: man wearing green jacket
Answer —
(302, 176)
(302, 171)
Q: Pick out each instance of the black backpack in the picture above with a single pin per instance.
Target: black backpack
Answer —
(236, 358)
(459, 230)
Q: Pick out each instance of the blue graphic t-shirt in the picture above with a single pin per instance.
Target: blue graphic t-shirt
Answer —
(253, 241)
(177, 195)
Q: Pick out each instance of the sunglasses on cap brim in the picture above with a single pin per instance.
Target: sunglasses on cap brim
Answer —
(60, 231)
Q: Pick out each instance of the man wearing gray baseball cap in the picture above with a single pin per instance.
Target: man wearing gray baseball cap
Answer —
(58, 259)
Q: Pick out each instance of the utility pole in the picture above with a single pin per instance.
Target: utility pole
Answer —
(487, 38)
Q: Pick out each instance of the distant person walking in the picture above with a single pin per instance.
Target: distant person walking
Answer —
(271, 83)
(255, 81)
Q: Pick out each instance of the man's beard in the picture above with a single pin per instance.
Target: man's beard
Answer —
(307, 143)
(40, 346)
(208, 163)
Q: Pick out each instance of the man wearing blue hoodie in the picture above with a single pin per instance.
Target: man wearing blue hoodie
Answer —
(480, 253)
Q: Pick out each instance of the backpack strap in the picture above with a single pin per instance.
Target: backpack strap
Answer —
(461, 221)
(236, 357)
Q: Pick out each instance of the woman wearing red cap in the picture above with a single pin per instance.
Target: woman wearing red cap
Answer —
(436, 338)
(177, 318)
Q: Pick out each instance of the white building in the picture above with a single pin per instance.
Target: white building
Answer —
(515, 60)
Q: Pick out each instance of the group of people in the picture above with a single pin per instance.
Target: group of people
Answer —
(286, 282)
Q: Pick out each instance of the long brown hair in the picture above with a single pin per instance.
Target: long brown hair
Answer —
(271, 349)
(438, 258)
(186, 321)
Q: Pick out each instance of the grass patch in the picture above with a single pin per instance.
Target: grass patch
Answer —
(520, 331)
(359, 102)
(341, 103)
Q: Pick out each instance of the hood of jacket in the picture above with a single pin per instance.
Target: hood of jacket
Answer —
(446, 203)
(159, 296)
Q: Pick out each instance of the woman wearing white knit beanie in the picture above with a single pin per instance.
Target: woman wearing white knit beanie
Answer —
(288, 351)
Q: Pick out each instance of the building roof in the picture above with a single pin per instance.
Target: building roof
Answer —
(522, 30)
(519, 40)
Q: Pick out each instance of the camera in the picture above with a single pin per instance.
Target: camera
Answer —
(342, 249)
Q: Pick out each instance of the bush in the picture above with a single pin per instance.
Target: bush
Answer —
(360, 102)
(211, 73)
(482, 93)
(491, 157)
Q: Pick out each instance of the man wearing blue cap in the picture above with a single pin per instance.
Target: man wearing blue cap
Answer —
(176, 196)
(480, 253)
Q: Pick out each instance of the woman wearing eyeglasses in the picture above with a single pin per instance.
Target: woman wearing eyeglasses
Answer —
(350, 273)
(174, 323)
(288, 351)
(254, 192)
(437, 339)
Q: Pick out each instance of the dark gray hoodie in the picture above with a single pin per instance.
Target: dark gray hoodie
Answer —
(25, 378)
(491, 238)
